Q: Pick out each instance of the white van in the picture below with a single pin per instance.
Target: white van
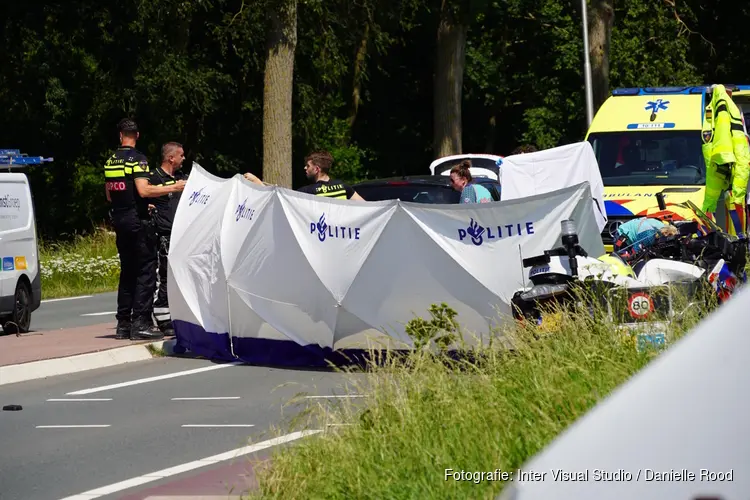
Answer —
(20, 276)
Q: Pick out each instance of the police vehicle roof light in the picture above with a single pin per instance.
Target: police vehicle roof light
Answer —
(11, 157)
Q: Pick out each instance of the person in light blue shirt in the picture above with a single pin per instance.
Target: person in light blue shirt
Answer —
(641, 229)
(462, 181)
(637, 234)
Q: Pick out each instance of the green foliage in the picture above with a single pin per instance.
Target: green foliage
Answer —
(442, 328)
(87, 192)
(87, 264)
(648, 47)
(349, 160)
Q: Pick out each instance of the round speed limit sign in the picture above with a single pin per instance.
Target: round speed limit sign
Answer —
(640, 305)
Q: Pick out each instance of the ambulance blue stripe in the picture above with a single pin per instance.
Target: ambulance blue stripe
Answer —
(615, 209)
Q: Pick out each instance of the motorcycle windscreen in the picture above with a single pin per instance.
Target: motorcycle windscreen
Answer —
(703, 218)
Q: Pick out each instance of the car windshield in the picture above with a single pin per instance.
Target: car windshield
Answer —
(650, 158)
(417, 193)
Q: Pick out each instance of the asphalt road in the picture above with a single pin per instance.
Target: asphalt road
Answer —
(143, 424)
(56, 314)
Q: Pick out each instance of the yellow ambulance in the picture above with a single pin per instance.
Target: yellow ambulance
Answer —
(648, 141)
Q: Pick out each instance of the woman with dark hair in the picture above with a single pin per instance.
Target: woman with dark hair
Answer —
(471, 192)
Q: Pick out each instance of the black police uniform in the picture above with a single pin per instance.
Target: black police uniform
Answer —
(134, 295)
(163, 217)
(330, 189)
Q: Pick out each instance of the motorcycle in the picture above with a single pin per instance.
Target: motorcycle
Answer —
(639, 284)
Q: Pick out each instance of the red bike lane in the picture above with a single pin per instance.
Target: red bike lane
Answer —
(227, 480)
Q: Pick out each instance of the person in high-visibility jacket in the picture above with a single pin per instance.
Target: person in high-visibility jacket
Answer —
(727, 155)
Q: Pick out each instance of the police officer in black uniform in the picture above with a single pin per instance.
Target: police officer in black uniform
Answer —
(167, 174)
(125, 172)
(121, 193)
(317, 167)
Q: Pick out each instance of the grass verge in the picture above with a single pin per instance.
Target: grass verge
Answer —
(89, 264)
(428, 413)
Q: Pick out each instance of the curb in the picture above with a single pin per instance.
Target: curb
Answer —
(34, 370)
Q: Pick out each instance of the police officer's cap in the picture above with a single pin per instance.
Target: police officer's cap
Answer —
(127, 125)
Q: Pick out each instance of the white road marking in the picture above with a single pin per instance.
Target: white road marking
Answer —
(99, 314)
(339, 396)
(217, 398)
(71, 426)
(179, 469)
(67, 298)
(217, 425)
(151, 379)
(80, 399)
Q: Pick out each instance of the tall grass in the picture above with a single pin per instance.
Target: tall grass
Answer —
(428, 413)
(88, 264)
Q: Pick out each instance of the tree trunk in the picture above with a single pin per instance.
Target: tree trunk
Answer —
(359, 66)
(448, 83)
(489, 146)
(602, 15)
(277, 95)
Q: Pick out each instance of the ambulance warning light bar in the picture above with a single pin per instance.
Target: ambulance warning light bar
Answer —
(697, 89)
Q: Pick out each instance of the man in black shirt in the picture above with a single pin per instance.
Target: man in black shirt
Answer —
(317, 166)
(167, 174)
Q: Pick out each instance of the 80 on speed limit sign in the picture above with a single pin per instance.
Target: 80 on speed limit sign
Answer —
(640, 305)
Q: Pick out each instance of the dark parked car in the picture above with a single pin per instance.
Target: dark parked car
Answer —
(419, 189)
